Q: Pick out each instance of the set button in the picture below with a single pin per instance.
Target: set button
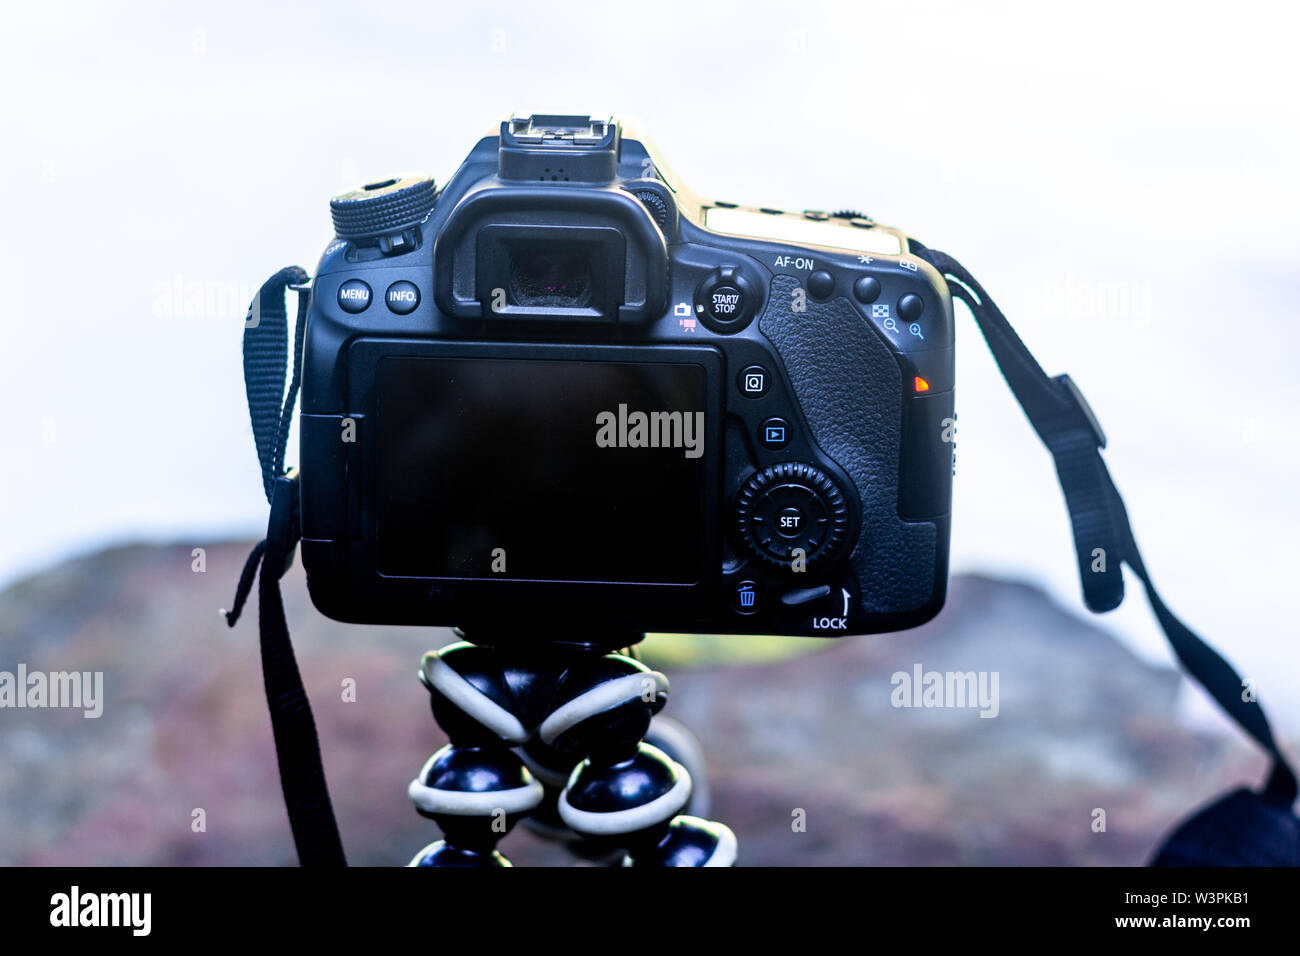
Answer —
(789, 522)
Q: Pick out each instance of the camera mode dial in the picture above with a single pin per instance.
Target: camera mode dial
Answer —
(382, 208)
(792, 516)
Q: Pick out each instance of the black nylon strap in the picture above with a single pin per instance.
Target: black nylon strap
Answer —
(266, 356)
(1066, 425)
(297, 746)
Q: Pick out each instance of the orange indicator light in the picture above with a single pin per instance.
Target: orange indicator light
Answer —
(922, 385)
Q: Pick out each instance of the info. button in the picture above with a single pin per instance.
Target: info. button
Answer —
(402, 297)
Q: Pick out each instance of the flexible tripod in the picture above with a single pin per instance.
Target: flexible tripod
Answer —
(556, 734)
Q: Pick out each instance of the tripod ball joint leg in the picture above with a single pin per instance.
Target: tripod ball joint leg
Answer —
(626, 790)
(518, 721)
(475, 788)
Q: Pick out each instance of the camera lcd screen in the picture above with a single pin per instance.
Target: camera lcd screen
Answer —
(541, 470)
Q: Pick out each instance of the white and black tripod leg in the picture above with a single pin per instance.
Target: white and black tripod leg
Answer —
(627, 793)
(475, 788)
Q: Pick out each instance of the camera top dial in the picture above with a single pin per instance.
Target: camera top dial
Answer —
(382, 208)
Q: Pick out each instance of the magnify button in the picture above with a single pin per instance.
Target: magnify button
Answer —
(915, 329)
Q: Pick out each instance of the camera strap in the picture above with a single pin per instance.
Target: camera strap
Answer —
(297, 747)
(1245, 827)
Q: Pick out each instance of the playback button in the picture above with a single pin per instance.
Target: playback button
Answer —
(774, 433)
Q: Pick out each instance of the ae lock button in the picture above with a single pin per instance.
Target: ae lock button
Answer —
(726, 300)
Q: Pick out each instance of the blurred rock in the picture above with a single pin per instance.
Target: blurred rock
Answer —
(813, 736)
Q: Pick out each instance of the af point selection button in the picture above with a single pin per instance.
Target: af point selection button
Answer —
(725, 300)
(354, 296)
(402, 297)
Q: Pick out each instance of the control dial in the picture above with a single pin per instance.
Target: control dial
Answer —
(788, 507)
(382, 208)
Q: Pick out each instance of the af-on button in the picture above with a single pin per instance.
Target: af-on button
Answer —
(821, 284)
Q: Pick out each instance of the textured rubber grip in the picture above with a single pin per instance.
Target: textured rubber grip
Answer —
(849, 387)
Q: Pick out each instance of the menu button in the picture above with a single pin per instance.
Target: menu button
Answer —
(354, 296)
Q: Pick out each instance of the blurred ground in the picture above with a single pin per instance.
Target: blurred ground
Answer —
(786, 726)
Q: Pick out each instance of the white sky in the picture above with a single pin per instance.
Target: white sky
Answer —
(1121, 177)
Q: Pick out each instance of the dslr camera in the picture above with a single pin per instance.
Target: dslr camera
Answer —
(562, 396)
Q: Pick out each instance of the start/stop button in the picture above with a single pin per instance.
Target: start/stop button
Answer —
(725, 301)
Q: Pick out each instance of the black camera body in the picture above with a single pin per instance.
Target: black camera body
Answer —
(562, 395)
